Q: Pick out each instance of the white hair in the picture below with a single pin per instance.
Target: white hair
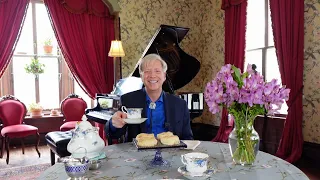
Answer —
(149, 58)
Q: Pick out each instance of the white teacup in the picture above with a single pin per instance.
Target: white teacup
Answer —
(132, 113)
(196, 163)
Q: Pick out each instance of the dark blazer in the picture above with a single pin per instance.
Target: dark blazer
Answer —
(176, 113)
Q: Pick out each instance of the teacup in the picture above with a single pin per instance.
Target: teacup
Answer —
(196, 163)
(132, 113)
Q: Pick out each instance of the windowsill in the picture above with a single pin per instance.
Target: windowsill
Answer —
(38, 55)
(276, 116)
(46, 116)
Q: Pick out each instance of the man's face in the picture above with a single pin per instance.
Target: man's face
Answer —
(153, 75)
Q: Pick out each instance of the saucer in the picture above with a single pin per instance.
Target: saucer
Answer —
(135, 120)
(182, 170)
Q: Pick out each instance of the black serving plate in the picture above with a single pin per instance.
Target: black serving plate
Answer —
(159, 145)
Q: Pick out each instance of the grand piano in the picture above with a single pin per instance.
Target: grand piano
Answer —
(182, 68)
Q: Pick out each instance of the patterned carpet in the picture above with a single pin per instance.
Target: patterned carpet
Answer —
(25, 166)
(23, 173)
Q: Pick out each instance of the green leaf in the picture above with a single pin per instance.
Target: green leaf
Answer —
(237, 76)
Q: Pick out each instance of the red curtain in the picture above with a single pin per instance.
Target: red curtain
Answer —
(84, 30)
(235, 32)
(85, 40)
(12, 14)
(288, 31)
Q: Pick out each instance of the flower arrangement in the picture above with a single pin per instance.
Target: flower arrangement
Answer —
(245, 95)
(35, 67)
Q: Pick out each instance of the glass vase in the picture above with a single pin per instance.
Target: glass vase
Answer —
(244, 142)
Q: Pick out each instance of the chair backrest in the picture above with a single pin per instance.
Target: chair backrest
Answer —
(12, 111)
(73, 107)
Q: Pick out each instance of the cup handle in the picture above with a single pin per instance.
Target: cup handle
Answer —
(124, 109)
(183, 160)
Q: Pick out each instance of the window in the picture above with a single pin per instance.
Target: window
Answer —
(56, 82)
(260, 48)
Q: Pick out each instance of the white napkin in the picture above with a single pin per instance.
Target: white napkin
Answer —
(191, 144)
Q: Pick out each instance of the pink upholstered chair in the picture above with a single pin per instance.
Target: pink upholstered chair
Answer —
(73, 108)
(12, 113)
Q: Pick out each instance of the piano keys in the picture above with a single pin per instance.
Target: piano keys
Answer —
(106, 106)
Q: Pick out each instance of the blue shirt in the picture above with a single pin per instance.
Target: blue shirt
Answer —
(157, 116)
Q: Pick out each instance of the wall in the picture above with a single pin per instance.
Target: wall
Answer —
(311, 101)
(205, 41)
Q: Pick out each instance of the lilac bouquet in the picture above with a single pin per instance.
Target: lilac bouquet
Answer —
(245, 95)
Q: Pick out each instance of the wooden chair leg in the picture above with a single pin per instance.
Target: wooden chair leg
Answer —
(7, 140)
(22, 144)
(37, 144)
(53, 157)
(2, 147)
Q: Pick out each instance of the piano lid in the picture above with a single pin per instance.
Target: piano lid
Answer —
(182, 68)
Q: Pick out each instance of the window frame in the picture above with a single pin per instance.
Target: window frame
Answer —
(66, 80)
(264, 50)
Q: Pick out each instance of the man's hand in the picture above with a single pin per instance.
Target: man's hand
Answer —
(117, 119)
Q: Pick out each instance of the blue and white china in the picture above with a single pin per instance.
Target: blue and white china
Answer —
(76, 168)
(132, 113)
(182, 170)
(196, 163)
(85, 140)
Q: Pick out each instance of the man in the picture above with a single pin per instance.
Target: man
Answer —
(165, 112)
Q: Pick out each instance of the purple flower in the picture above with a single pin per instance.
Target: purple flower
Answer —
(224, 90)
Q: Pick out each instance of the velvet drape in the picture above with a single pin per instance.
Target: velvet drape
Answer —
(235, 32)
(288, 30)
(12, 15)
(85, 41)
(84, 30)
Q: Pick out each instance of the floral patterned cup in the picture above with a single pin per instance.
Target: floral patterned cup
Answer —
(196, 163)
(132, 113)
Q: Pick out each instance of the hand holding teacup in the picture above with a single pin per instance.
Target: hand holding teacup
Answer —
(130, 113)
(117, 119)
(196, 163)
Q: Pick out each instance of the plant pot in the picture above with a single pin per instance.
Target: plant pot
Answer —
(47, 49)
(36, 113)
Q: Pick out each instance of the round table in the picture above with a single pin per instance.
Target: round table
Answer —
(124, 161)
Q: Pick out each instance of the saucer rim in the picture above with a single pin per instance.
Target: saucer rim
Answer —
(140, 120)
(188, 174)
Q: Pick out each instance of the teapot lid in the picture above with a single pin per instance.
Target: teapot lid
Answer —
(84, 124)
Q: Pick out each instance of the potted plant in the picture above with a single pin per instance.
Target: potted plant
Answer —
(35, 109)
(35, 67)
(47, 46)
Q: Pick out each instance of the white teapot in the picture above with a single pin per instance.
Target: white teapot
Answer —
(85, 140)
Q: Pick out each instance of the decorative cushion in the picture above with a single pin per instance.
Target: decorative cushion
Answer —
(20, 130)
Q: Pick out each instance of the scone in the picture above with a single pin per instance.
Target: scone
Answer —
(144, 135)
(147, 142)
(164, 134)
(170, 140)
